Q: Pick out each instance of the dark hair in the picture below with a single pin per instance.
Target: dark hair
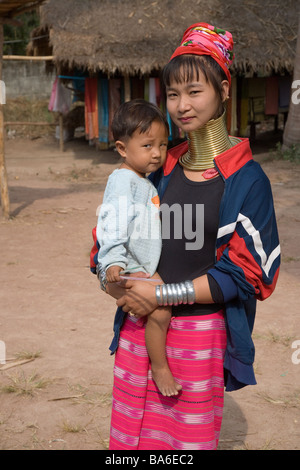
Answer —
(186, 67)
(136, 114)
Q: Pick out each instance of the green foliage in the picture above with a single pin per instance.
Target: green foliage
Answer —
(291, 153)
(16, 38)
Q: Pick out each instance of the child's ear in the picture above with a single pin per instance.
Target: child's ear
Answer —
(121, 147)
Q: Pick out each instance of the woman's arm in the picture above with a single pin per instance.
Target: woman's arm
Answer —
(248, 249)
(202, 290)
(140, 297)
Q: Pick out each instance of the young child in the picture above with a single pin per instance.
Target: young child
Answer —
(129, 227)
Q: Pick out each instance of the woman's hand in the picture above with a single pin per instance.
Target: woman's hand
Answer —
(115, 289)
(139, 297)
(118, 289)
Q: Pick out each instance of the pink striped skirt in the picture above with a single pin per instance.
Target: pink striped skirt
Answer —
(142, 418)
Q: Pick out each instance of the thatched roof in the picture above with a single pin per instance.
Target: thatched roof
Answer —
(139, 36)
(11, 8)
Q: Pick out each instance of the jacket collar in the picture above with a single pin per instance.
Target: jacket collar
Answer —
(226, 163)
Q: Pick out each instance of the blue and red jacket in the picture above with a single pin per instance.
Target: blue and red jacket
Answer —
(247, 250)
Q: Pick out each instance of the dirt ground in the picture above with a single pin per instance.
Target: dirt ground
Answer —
(52, 311)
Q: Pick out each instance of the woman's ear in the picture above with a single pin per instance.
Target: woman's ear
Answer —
(225, 90)
(121, 148)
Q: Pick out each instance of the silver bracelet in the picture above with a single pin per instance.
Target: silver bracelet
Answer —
(158, 296)
(175, 294)
(190, 292)
(184, 293)
(164, 294)
(101, 276)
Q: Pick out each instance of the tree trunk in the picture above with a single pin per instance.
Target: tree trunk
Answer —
(291, 134)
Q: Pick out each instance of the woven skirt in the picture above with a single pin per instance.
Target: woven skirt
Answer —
(142, 418)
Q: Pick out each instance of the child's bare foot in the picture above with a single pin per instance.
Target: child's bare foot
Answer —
(165, 381)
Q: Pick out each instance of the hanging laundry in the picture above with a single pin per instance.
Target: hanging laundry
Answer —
(91, 108)
(152, 91)
(63, 98)
(103, 120)
(53, 95)
(285, 84)
(114, 86)
(60, 98)
(272, 96)
(78, 85)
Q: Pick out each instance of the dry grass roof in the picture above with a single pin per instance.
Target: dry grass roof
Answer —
(11, 8)
(139, 36)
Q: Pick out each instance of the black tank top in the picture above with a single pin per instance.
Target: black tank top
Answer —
(190, 216)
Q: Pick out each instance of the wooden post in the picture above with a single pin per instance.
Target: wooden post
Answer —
(3, 175)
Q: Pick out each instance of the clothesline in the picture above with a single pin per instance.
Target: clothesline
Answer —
(71, 77)
(13, 41)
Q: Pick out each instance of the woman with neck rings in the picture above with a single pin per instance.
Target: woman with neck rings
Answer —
(220, 255)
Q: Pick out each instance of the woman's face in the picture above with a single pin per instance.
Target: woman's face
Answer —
(192, 104)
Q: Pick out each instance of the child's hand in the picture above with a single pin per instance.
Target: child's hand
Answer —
(113, 274)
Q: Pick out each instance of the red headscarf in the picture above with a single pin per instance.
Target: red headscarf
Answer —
(204, 39)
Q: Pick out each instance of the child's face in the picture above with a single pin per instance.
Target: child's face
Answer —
(145, 152)
(192, 104)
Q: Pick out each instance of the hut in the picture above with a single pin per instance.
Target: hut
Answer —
(114, 50)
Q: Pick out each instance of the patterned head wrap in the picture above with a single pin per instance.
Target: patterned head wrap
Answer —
(204, 39)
